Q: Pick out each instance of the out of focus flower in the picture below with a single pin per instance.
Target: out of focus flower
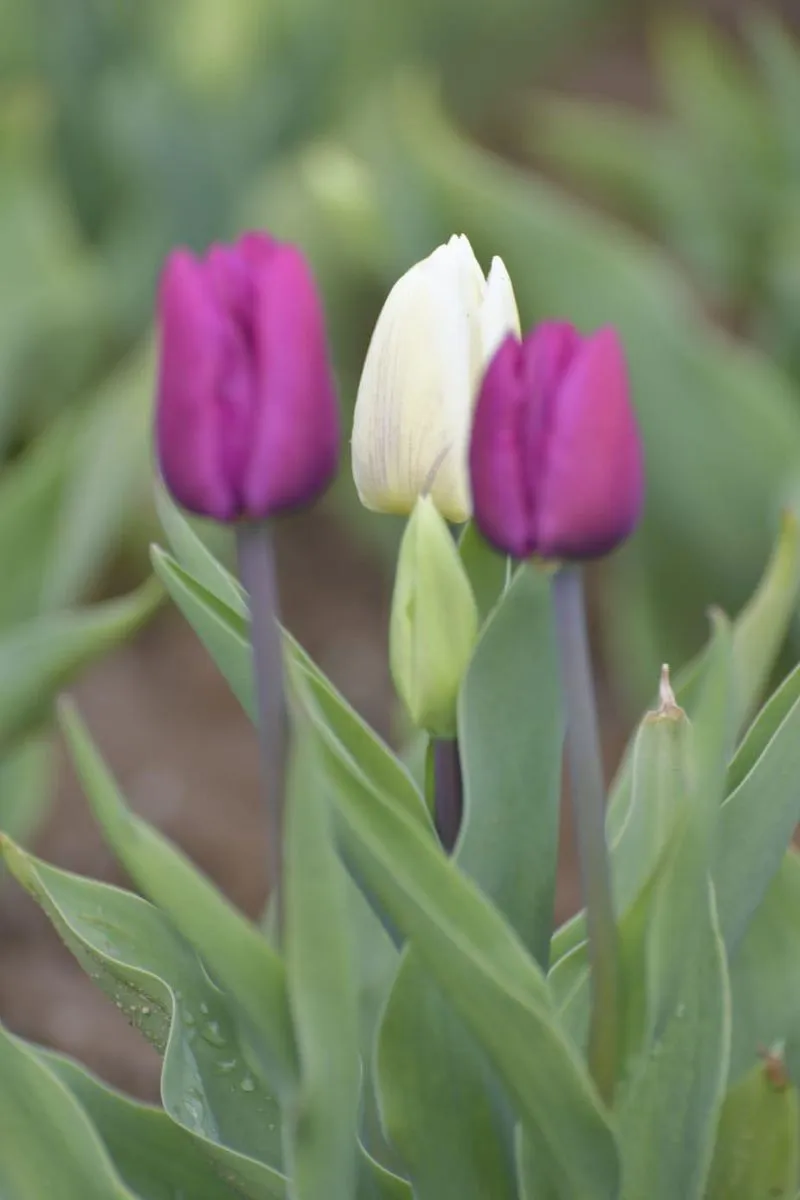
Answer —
(246, 415)
(555, 455)
(440, 325)
(434, 622)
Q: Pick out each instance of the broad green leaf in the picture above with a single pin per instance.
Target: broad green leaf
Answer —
(156, 1157)
(196, 558)
(132, 952)
(438, 1098)
(757, 821)
(485, 973)
(763, 623)
(376, 1183)
(234, 950)
(25, 778)
(670, 1099)
(322, 1129)
(488, 571)
(50, 1147)
(765, 977)
(109, 467)
(30, 490)
(511, 736)
(669, 1104)
(39, 658)
(756, 1154)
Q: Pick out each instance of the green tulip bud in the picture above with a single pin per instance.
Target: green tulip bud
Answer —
(434, 621)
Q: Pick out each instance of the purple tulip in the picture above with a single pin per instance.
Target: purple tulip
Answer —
(555, 454)
(246, 420)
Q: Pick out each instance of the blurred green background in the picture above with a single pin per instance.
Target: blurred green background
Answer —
(633, 163)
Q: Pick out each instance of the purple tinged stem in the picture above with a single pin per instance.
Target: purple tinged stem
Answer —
(448, 790)
(258, 576)
(588, 800)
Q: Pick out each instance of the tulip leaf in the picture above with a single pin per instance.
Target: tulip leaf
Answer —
(763, 729)
(765, 977)
(25, 776)
(323, 1128)
(483, 970)
(756, 825)
(156, 1157)
(38, 658)
(232, 948)
(511, 736)
(133, 953)
(756, 1155)
(675, 961)
(487, 569)
(439, 1102)
(50, 1147)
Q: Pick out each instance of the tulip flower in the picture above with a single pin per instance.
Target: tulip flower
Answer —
(440, 325)
(555, 455)
(246, 420)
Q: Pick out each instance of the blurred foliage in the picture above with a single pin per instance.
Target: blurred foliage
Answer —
(714, 173)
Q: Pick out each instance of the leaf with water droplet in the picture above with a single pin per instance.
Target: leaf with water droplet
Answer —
(140, 960)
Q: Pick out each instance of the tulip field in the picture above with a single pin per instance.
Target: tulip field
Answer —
(399, 680)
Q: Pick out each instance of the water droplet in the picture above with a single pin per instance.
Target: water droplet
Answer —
(145, 1011)
(680, 1011)
(212, 1034)
(247, 1084)
(204, 1009)
(229, 1065)
(188, 1018)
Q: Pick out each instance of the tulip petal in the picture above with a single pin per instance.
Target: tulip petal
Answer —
(592, 485)
(496, 459)
(294, 450)
(412, 413)
(188, 440)
(499, 315)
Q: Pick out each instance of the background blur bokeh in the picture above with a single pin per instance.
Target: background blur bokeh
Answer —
(635, 164)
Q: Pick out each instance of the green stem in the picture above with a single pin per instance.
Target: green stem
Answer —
(257, 573)
(588, 800)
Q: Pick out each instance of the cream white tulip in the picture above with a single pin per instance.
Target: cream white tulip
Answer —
(440, 325)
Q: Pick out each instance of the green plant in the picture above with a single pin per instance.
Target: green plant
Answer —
(443, 977)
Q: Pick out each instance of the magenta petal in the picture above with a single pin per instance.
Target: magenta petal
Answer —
(187, 427)
(592, 487)
(295, 444)
(496, 455)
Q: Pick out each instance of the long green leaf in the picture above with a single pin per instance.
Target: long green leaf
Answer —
(131, 951)
(233, 949)
(485, 973)
(158, 1158)
(39, 658)
(50, 1147)
(321, 981)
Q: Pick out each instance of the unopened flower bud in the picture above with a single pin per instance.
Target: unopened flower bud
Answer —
(434, 622)
(555, 455)
(440, 325)
(246, 418)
